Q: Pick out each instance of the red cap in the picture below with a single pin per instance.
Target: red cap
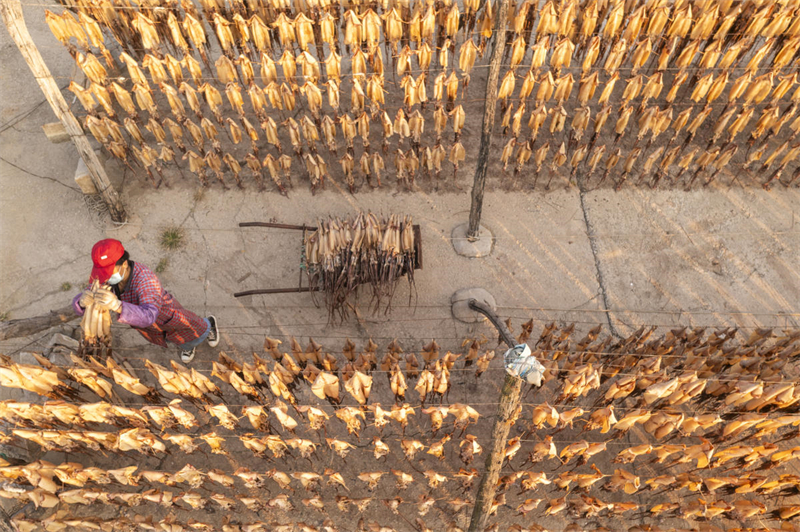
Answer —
(105, 255)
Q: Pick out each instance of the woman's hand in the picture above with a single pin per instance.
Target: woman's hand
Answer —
(87, 298)
(107, 299)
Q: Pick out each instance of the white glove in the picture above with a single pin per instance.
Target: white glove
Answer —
(87, 298)
(107, 299)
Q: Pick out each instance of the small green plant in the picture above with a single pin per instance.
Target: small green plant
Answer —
(172, 238)
(4, 316)
(66, 286)
(161, 267)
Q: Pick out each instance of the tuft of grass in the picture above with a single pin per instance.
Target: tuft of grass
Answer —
(66, 286)
(4, 316)
(199, 195)
(161, 267)
(172, 238)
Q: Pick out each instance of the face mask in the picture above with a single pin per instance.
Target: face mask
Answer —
(114, 279)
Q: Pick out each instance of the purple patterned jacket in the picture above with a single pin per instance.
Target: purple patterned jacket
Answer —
(152, 311)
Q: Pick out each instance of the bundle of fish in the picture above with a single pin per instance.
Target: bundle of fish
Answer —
(96, 325)
(341, 255)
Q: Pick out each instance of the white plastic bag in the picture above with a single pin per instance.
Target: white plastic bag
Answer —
(522, 364)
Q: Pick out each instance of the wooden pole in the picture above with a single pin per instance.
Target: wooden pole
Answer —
(11, 11)
(488, 121)
(506, 413)
(28, 326)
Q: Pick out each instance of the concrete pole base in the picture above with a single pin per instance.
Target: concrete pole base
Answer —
(481, 247)
(459, 304)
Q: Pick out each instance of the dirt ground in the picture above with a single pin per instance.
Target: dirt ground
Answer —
(723, 256)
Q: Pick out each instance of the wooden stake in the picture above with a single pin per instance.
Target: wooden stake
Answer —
(11, 12)
(488, 123)
(28, 326)
(506, 413)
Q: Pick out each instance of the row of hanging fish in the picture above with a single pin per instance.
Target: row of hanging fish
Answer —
(64, 521)
(275, 93)
(659, 424)
(744, 378)
(47, 476)
(705, 455)
(58, 413)
(702, 527)
(428, 160)
(43, 475)
(194, 500)
(259, 28)
(205, 154)
(745, 483)
(671, 35)
(660, 388)
(723, 366)
(626, 369)
(318, 368)
(54, 382)
(566, 157)
(36, 379)
(61, 521)
(582, 505)
(143, 440)
(718, 357)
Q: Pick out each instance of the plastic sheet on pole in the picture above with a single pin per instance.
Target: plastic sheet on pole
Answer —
(522, 364)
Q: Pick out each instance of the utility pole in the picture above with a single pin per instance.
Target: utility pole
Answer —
(11, 11)
(489, 105)
(506, 414)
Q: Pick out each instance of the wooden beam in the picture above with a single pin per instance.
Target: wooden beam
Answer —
(506, 415)
(28, 326)
(489, 105)
(11, 12)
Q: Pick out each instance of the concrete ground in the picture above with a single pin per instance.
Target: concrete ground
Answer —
(714, 257)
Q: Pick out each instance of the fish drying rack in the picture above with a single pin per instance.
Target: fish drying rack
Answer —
(300, 288)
